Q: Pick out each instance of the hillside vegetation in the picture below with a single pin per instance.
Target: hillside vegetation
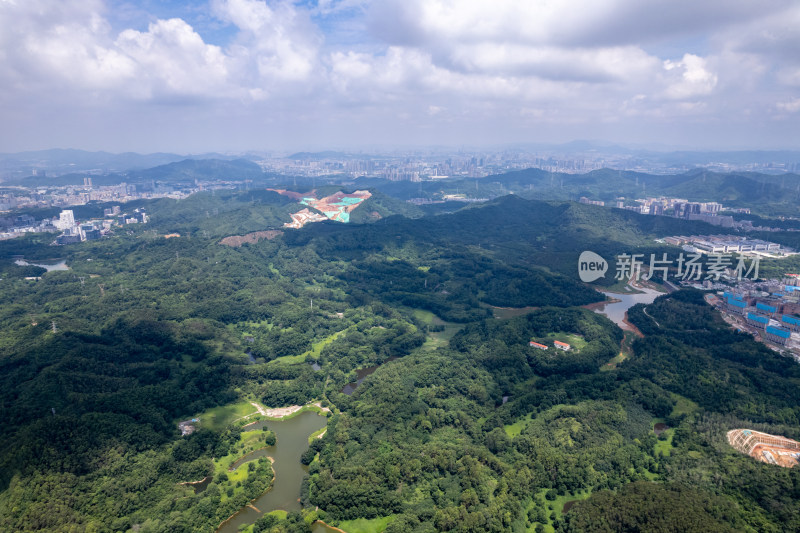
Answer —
(462, 426)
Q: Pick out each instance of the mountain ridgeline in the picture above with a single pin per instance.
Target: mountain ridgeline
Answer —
(765, 193)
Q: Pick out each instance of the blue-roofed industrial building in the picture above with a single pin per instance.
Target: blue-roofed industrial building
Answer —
(736, 306)
(791, 322)
(765, 309)
(757, 321)
(778, 335)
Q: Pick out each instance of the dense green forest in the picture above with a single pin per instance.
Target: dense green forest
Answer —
(462, 427)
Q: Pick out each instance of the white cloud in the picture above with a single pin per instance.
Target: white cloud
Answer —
(71, 42)
(551, 51)
(773, 35)
(278, 41)
(512, 63)
(792, 106)
(409, 73)
(172, 58)
(578, 64)
(693, 79)
(509, 38)
(559, 23)
(40, 39)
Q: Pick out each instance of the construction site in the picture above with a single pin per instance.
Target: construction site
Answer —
(337, 206)
(771, 449)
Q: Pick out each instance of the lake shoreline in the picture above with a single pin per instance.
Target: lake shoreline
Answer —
(292, 433)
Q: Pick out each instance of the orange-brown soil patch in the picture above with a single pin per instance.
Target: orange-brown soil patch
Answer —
(252, 238)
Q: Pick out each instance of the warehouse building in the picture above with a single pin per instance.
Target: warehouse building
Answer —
(791, 323)
(778, 335)
(758, 321)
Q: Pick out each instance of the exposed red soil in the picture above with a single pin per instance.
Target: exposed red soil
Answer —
(238, 240)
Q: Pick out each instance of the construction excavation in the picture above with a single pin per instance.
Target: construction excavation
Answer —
(766, 448)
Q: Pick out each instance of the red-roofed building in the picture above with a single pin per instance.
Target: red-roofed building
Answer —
(537, 345)
(562, 345)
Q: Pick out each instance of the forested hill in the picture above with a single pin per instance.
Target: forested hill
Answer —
(570, 432)
(510, 229)
(222, 213)
(185, 171)
(199, 169)
(513, 218)
(765, 193)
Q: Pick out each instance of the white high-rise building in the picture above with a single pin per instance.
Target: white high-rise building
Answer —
(66, 219)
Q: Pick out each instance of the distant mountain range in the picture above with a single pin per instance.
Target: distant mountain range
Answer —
(66, 161)
(769, 194)
(183, 171)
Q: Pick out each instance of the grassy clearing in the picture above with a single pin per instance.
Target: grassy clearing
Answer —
(248, 442)
(317, 434)
(364, 525)
(683, 406)
(426, 317)
(665, 446)
(440, 339)
(620, 287)
(557, 505)
(436, 339)
(504, 313)
(278, 512)
(650, 475)
(576, 341)
(218, 418)
(512, 430)
(314, 352)
(316, 348)
(624, 352)
(250, 327)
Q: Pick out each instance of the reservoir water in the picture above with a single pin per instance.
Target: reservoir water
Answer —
(319, 527)
(616, 310)
(292, 435)
(361, 374)
(61, 265)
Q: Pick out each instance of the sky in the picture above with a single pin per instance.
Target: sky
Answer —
(239, 75)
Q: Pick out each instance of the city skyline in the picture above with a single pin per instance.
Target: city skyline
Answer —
(228, 75)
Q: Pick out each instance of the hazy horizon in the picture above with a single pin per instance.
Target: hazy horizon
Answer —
(565, 148)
